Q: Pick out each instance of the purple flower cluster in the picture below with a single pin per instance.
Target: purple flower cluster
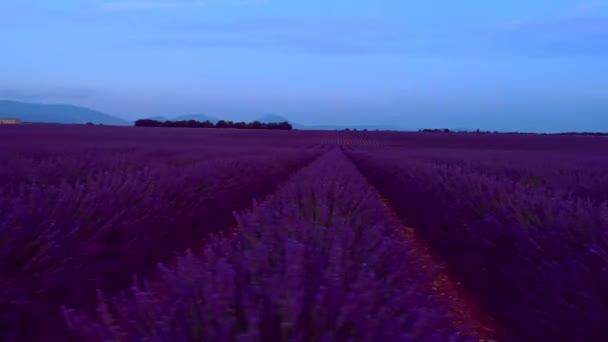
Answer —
(537, 260)
(321, 260)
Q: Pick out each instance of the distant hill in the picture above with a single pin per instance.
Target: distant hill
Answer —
(272, 118)
(70, 114)
(56, 113)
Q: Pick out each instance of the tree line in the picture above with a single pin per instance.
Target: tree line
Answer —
(446, 130)
(209, 124)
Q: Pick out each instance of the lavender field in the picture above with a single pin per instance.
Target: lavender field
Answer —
(176, 234)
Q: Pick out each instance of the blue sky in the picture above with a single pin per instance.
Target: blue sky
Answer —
(527, 65)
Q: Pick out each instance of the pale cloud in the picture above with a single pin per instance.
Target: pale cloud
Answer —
(112, 6)
(587, 8)
(564, 37)
(138, 5)
(42, 93)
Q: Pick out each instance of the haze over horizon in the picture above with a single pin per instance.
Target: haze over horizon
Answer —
(519, 65)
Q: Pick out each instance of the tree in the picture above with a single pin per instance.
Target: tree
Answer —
(209, 124)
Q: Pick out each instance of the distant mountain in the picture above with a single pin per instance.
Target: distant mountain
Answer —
(197, 117)
(56, 113)
(69, 114)
(272, 118)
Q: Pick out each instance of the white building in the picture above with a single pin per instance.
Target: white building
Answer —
(9, 121)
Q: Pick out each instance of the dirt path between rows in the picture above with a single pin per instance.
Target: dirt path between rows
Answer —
(467, 317)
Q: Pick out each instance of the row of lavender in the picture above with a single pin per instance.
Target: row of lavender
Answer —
(581, 174)
(86, 219)
(321, 260)
(50, 163)
(535, 259)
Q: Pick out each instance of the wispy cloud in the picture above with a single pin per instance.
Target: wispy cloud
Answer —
(339, 37)
(573, 36)
(587, 8)
(113, 6)
(138, 5)
(26, 94)
(576, 33)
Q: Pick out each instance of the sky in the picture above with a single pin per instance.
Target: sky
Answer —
(537, 65)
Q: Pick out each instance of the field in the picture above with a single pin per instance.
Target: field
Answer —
(173, 234)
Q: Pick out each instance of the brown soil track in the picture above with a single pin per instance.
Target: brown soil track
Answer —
(468, 318)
